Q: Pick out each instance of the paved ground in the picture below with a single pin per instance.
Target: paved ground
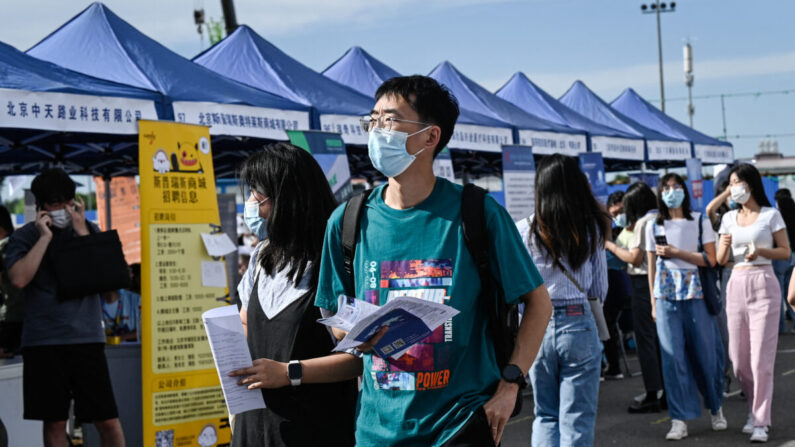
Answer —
(616, 427)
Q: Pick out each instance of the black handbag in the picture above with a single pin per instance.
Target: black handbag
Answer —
(91, 264)
(708, 276)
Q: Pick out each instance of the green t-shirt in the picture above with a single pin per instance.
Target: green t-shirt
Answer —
(425, 397)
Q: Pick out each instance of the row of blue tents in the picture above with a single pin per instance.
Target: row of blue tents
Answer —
(90, 79)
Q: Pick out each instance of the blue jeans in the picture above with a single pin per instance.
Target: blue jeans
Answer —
(565, 380)
(783, 271)
(692, 357)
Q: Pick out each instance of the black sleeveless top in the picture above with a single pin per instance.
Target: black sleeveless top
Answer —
(306, 415)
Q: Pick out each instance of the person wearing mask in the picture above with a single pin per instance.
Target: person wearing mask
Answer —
(566, 237)
(754, 235)
(287, 209)
(716, 209)
(692, 355)
(783, 267)
(56, 329)
(447, 390)
(640, 206)
(619, 288)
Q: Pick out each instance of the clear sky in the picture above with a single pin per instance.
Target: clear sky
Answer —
(739, 46)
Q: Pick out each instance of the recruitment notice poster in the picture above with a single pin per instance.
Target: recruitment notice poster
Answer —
(183, 404)
(329, 151)
(518, 178)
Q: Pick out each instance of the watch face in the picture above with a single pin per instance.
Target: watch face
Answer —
(512, 373)
(294, 371)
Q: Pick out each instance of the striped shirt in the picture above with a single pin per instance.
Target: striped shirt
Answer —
(592, 275)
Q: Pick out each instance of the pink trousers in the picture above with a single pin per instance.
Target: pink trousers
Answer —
(753, 308)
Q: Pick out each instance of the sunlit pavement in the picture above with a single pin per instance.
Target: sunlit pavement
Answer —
(616, 427)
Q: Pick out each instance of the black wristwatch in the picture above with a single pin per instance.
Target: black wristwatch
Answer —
(513, 374)
(295, 372)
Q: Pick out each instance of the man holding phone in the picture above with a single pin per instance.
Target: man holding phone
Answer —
(62, 339)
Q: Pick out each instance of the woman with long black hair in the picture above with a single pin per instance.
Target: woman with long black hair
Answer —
(783, 267)
(287, 209)
(755, 234)
(692, 354)
(566, 238)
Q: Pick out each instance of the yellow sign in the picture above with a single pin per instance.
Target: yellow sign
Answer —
(183, 404)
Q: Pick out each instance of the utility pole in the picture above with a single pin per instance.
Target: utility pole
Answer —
(230, 19)
(657, 8)
(689, 78)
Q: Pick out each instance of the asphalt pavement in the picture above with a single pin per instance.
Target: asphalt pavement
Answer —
(616, 427)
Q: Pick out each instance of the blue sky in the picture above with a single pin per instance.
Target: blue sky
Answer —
(739, 46)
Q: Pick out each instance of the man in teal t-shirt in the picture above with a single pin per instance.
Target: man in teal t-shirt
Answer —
(446, 390)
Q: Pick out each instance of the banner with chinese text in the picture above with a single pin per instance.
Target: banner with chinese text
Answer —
(182, 401)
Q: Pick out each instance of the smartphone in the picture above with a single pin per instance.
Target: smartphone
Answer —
(660, 239)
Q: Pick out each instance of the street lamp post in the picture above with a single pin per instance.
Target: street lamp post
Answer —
(657, 8)
(689, 78)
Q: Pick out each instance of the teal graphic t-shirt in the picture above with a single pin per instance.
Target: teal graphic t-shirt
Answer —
(424, 397)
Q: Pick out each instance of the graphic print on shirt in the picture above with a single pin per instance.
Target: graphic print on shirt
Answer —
(426, 365)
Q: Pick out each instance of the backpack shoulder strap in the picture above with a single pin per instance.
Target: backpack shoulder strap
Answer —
(473, 222)
(350, 228)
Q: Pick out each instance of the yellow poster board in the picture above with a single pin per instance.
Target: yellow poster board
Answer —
(183, 404)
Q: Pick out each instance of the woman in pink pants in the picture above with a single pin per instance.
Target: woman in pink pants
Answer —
(755, 234)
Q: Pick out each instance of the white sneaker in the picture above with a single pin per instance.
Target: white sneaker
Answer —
(748, 428)
(678, 430)
(718, 421)
(759, 434)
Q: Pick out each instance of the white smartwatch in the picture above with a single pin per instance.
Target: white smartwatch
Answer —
(295, 372)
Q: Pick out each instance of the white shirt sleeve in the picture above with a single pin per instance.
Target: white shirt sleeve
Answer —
(650, 245)
(726, 223)
(776, 221)
(707, 233)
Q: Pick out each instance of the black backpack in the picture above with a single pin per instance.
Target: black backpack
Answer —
(503, 319)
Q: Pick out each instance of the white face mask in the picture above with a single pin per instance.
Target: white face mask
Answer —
(60, 218)
(740, 194)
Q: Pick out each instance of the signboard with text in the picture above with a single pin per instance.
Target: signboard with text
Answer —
(518, 179)
(695, 178)
(182, 401)
(328, 150)
(593, 166)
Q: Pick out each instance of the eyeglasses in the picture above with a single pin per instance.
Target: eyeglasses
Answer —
(384, 122)
(672, 188)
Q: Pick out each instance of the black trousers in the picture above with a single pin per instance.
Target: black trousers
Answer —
(619, 291)
(475, 433)
(646, 334)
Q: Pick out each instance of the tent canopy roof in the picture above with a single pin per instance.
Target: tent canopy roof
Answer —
(247, 57)
(360, 71)
(100, 43)
(525, 94)
(476, 98)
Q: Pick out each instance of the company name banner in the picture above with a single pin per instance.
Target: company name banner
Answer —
(349, 127)
(240, 120)
(621, 148)
(668, 150)
(479, 138)
(714, 154)
(553, 143)
(73, 113)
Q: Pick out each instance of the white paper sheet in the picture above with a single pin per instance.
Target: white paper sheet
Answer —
(218, 244)
(362, 320)
(230, 351)
(213, 274)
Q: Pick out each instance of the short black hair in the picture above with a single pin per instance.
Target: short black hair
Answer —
(52, 186)
(615, 198)
(433, 102)
(665, 213)
(638, 200)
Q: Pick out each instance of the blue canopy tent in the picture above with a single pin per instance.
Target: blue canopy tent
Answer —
(621, 150)
(473, 131)
(708, 149)
(581, 99)
(248, 58)
(544, 136)
(99, 43)
(58, 117)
